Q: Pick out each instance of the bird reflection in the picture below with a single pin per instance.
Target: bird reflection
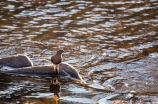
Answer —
(55, 87)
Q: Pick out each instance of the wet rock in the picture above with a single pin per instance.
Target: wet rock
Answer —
(65, 70)
(69, 69)
(16, 61)
(25, 67)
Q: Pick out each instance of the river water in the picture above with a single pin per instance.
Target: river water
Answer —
(112, 43)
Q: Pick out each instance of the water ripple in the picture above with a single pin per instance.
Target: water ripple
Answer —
(106, 41)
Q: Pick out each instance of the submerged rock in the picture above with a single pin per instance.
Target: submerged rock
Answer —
(65, 70)
(24, 66)
(16, 61)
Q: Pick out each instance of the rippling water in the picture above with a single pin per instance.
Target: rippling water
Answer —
(112, 43)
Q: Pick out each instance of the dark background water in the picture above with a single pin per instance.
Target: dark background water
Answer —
(112, 43)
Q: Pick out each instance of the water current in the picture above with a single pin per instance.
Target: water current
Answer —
(112, 43)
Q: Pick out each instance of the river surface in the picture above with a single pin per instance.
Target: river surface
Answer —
(112, 43)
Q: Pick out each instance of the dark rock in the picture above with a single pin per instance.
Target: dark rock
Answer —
(70, 70)
(65, 70)
(16, 61)
(25, 67)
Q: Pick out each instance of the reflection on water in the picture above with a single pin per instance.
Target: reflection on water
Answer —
(111, 43)
(55, 86)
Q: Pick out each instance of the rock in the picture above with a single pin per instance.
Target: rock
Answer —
(69, 69)
(25, 67)
(65, 70)
(16, 61)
